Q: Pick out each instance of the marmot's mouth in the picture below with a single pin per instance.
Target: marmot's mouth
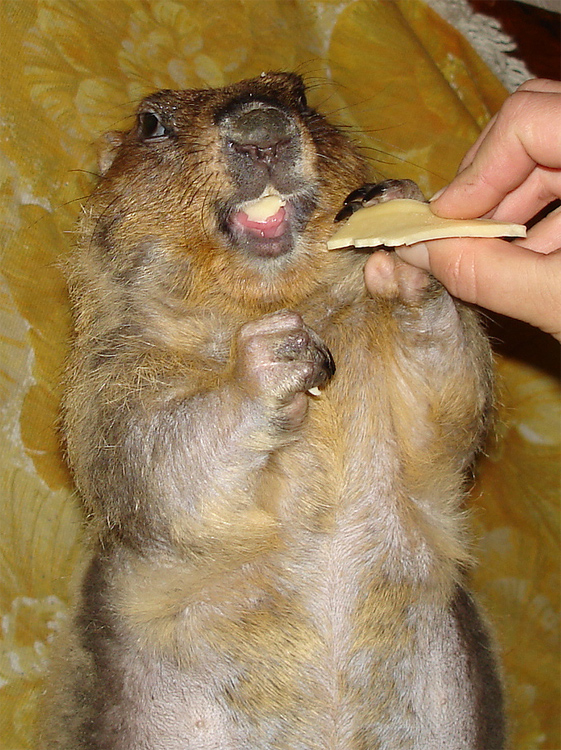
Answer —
(268, 226)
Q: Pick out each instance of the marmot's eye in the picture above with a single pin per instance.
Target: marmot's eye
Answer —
(150, 126)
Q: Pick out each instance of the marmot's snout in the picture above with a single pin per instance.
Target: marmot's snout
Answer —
(262, 145)
(264, 136)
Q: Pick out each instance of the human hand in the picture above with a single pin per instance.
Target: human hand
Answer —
(511, 173)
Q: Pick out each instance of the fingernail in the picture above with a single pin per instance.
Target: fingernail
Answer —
(416, 255)
(438, 194)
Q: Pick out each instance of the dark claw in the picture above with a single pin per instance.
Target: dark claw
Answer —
(377, 192)
(391, 189)
(329, 364)
(359, 193)
(346, 211)
(357, 199)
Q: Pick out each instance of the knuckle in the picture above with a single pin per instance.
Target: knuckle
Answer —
(285, 319)
(526, 86)
(517, 105)
(249, 330)
(460, 273)
(303, 371)
(272, 323)
(254, 345)
(535, 84)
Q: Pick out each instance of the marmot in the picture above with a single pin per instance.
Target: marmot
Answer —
(269, 565)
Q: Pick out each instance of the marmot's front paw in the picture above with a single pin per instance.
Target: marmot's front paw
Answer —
(278, 359)
(378, 192)
(388, 276)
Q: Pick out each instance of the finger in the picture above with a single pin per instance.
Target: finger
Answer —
(542, 85)
(525, 133)
(545, 236)
(500, 276)
(541, 187)
(471, 152)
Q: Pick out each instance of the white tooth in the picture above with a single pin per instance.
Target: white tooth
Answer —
(315, 391)
(262, 208)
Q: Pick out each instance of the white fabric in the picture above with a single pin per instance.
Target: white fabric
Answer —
(487, 37)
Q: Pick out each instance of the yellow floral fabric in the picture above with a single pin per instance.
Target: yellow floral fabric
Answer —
(415, 95)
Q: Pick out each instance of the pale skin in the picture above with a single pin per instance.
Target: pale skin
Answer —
(512, 172)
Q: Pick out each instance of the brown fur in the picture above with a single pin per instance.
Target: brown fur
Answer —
(266, 569)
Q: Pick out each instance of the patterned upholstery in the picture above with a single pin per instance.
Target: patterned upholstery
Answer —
(393, 71)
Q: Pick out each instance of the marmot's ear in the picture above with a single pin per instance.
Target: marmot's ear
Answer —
(107, 148)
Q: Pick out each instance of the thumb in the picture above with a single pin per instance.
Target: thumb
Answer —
(498, 275)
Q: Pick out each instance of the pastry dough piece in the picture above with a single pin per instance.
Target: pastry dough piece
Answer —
(404, 222)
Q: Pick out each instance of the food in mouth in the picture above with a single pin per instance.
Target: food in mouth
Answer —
(265, 217)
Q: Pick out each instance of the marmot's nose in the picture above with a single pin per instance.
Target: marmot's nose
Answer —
(264, 134)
